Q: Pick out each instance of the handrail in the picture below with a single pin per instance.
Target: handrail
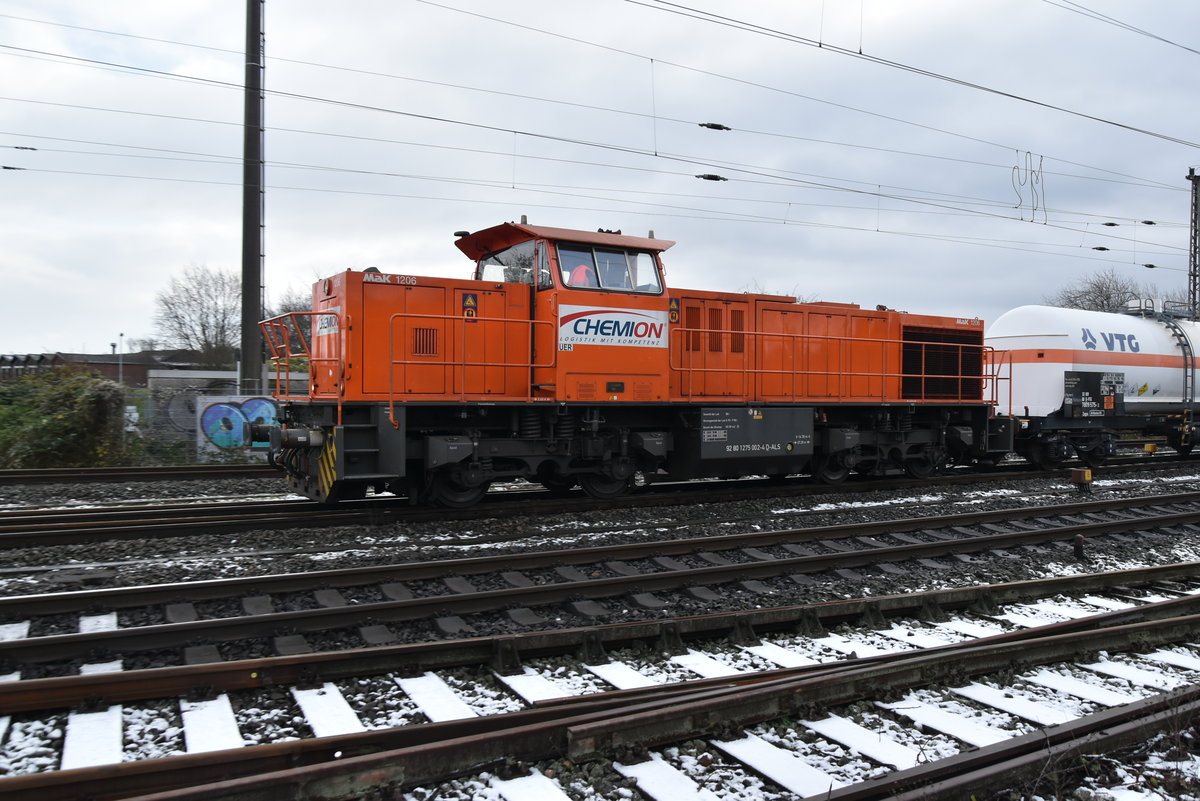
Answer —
(284, 336)
(678, 338)
(1002, 366)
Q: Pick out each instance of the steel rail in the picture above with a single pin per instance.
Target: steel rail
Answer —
(126, 597)
(506, 651)
(590, 727)
(77, 475)
(25, 528)
(977, 773)
(157, 637)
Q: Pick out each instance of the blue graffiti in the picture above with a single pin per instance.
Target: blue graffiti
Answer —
(222, 422)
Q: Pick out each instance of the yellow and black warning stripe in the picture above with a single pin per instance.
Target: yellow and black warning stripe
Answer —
(327, 472)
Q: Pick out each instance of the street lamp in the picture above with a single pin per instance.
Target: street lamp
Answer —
(121, 358)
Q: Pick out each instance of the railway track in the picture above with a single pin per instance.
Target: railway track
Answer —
(39, 527)
(867, 710)
(578, 585)
(201, 472)
(79, 475)
(355, 634)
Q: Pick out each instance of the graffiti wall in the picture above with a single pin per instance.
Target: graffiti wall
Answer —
(219, 421)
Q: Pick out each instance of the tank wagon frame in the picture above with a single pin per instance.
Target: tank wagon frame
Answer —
(1077, 380)
(567, 360)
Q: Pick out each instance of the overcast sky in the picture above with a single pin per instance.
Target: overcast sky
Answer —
(937, 156)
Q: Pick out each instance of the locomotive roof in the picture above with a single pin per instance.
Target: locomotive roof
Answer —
(498, 237)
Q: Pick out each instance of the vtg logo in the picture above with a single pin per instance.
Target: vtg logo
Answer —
(1126, 343)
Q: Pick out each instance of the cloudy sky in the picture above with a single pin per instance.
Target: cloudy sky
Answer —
(937, 156)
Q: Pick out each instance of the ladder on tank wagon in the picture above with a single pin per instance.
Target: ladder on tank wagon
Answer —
(1189, 374)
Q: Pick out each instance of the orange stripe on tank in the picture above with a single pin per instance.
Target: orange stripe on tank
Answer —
(1065, 356)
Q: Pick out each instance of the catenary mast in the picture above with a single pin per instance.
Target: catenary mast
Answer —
(250, 374)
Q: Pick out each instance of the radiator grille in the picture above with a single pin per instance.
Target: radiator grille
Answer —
(942, 364)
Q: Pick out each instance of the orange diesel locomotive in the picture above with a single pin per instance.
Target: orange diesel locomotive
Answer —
(568, 361)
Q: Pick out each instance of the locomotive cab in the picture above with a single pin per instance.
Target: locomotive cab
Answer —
(599, 303)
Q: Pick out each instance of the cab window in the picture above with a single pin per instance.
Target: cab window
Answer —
(581, 266)
(644, 273)
(512, 265)
(544, 279)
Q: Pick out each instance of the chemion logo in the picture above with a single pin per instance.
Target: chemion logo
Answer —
(589, 325)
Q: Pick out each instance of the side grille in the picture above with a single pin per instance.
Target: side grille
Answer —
(942, 364)
(425, 342)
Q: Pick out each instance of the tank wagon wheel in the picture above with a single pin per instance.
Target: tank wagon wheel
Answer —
(1175, 441)
(445, 490)
(829, 471)
(1041, 456)
(1095, 457)
(603, 487)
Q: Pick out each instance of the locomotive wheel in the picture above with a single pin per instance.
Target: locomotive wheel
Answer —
(827, 471)
(445, 491)
(919, 467)
(348, 491)
(603, 487)
(558, 486)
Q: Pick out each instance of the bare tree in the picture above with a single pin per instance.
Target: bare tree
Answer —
(1105, 291)
(295, 300)
(1102, 291)
(292, 300)
(144, 343)
(201, 311)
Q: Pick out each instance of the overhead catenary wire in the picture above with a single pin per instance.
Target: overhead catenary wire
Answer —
(1076, 8)
(667, 209)
(483, 126)
(659, 212)
(653, 116)
(717, 19)
(177, 155)
(349, 230)
(745, 170)
(689, 159)
(767, 87)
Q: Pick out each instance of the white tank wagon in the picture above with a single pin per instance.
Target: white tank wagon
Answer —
(1079, 379)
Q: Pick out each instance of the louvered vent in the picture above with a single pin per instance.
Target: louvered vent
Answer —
(425, 342)
(737, 322)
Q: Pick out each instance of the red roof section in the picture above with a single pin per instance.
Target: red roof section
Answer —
(498, 237)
